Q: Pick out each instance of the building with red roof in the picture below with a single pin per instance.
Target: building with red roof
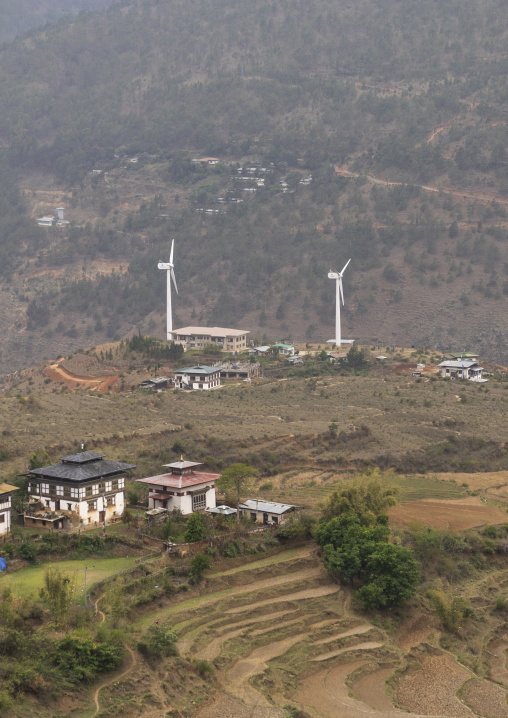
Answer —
(182, 488)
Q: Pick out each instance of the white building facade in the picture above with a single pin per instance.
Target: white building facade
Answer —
(228, 340)
(5, 507)
(182, 488)
(269, 513)
(462, 369)
(197, 377)
(83, 488)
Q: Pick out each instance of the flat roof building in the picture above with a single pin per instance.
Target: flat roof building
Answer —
(228, 340)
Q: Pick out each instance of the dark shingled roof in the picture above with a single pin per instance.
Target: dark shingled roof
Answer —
(82, 470)
(83, 457)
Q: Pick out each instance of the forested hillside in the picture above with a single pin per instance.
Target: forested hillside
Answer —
(374, 130)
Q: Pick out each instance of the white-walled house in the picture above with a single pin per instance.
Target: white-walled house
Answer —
(197, 377)
(462, 369)
(182, 488)
(83, 487)
(5, 507)
(267, 512)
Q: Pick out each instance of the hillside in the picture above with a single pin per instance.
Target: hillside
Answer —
(18, 16)
(396, 156)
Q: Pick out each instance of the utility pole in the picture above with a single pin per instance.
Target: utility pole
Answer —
(85, 586)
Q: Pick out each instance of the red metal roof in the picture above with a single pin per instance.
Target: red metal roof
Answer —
(177, 481)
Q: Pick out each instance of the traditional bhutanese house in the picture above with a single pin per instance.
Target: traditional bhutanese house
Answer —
(462, 369)
(267, 512)
(197, 377)
(83, 487)
(5, 507)
(182, 488)
(295, 360)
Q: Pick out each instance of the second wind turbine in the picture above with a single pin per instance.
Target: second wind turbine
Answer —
(339, 294)
(170, 267)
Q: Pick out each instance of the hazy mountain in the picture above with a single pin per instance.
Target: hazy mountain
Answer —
(18, 16)
(397, 110)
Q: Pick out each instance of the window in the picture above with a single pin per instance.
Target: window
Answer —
(121, 483)
(45, 488)
(111, 500)
(199, 501)
(88, 491)
(108, 486)
(2, 518)
(114, 483)
(92, 505)
(59, 490)
(74, 493)
(69, 507)
(52, 489)
(67, 491)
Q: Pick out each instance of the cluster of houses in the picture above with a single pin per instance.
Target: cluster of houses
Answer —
(86, 489)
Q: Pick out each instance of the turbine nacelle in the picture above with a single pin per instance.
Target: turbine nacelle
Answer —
(333, 275)
(165, 265)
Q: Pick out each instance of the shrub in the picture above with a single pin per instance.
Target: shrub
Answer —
(203, 668)
(81, 659)
(199, 564)
(195, 530)
(27, 551)
(161, 640)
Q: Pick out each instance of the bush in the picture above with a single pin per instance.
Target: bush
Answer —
(195, 530)
(203, 668)
(199, 564)
(161, 640)
(27, 551)
(81, 659)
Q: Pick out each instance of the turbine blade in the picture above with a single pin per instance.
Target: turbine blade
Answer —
(174, 280)
(345, 266)
(171, 254)
(341, 292)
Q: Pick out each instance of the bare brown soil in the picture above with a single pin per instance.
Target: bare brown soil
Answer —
(457, 515)
(431, 689)
(59, 373)
(485, 699)
(370, 689)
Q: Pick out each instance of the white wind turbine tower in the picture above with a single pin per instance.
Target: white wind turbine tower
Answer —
(339, 294)
(170, 268)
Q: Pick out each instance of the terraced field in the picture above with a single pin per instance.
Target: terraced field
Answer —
(280, 634)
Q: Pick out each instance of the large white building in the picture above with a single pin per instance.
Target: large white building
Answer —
(228, 340)
(462, 369)
(83, 487)
(5, 507)
(182, 488)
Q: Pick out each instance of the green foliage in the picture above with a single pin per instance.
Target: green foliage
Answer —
(161, 640)
(27, 551)
(36, 463)
(199, 564)
(154, 348)
(80, 660)
(451, 610)
(364, 498)
(204, 668)
(391, 576)
(353, 552)
(296, 526)
(195, 530)
(356, 359)
(57, 593)
(237, 480)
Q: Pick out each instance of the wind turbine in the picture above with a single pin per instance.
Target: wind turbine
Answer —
(339, 294)
(170, 268)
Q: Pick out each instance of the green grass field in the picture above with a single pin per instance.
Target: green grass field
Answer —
(27, 582)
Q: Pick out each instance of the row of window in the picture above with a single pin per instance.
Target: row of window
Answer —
(109, 501)
(76, 492)
(198, 501)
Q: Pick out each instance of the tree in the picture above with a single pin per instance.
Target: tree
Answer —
(57, 592)
(195, 530)
(161, 640)
(199, 564)
(237, 479)
(364, 499)
(391, 575)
